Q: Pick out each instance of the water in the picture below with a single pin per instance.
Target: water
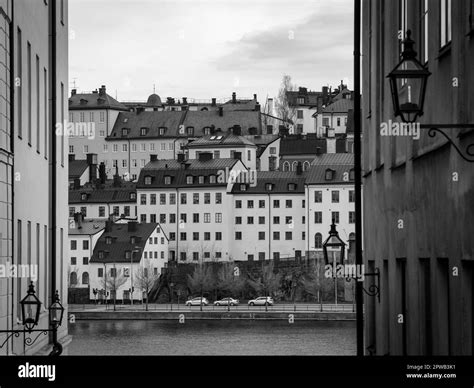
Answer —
(226, 337)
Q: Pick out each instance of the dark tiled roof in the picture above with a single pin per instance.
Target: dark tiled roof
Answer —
(202, 119)
(260, 140)
(77, 168)
(121, 243)
(281, 183)
(240, 105)
(88, 227)
(334, 159)
(171, 120)
(316, 174)
(225, 140)
(94, 101)
(108, 195)
(179, 174)
(301, 146)
(340, 106)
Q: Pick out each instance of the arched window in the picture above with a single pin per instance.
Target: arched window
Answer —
(204, 109)
(318, 241)
(306, 165)
(294, 165)
(286, 166)
(85, 278)
(73, 278)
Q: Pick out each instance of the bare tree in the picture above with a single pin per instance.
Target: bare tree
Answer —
(314, 284)
(267, 283)
(229, 280)
(285, 110)
(201, 280)
(145, 278)
(113, 283)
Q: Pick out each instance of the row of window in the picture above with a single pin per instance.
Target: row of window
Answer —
(91, 116)
(276, 236)
(101, 211)
(85, 245)
(183, 218)
(151, 255)
(85, 260)
(183, 198)
(335, 196)
(261, 220)
(154, 240)
(318, 217)
(113, 272)
(134, 147)
(183, 236)
(261, 204)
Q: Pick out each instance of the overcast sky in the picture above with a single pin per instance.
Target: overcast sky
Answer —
(208, 48)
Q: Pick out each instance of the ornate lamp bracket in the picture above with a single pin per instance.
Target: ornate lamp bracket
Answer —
(434, 129)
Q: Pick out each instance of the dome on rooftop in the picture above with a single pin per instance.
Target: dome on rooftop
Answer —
(154, 100)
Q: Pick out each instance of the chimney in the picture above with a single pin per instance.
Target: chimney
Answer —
(234, 98)
(72, 157)
(102, 173)
(331, 133)
(181, 158)
(255, 97)
(73, 92)
(108, 226)
(257, 107)
(102, 90)
(318, 150)
(221, 111)
(237, 130)
(77, 184)
(185, 100)
(299, 169)
(205, 156)
(331, 145)
(92, 162)
(78, 218)
(213, 102)
(132, 226)
(117, 180)
(153, 157)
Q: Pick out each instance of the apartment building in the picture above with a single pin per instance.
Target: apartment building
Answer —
(121, 253)
(34, 161)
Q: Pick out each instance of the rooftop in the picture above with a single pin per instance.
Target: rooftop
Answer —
(87, 227)
(77, 168)
(273, 182)
(94, 100)
(220, 140)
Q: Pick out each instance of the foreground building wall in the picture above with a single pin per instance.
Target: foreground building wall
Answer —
(419, 194)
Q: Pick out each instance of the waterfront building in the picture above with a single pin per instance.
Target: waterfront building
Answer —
(33, 161)
(418, 192)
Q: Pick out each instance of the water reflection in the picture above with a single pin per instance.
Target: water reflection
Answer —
(226, 337)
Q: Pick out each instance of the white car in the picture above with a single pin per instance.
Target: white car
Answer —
(226, 302)
(197, 301)
(261, 301)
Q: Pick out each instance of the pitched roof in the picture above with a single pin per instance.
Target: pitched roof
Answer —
(316, 174)
(134, 122)
(77, 168)
(94, 100)
(88, 227)
(204, 119)
(281, 183)
(179, 173)
(121, 242)
(334, 159)
(340, 106)
(107, 195)
(225, 140)
(301, 146)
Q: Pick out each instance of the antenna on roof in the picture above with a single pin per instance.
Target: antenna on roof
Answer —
(153, 88)
(116, 94)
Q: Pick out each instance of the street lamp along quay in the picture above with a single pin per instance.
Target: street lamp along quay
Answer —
(335, 244)
(30, 312)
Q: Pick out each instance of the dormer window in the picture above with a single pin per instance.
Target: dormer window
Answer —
(133, 196)
(269, 186)
(167, 180)
(291, 187)
(201, 179)
(133, 240)
(351, 174)
(148, 180)
(212, 179)
(329, 176)
(84, 197)
(143, 131)
(162, 131)
(124, 131)
(243, 187)
(189, 179)
(190, 131)
(207, 131)
(108, 240)
(128, 254)
(101, 254)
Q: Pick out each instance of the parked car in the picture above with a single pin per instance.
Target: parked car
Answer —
(197, 301)
(226, 302)
(261, 301)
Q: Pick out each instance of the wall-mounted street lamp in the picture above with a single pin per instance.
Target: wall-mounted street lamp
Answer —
(30, 312)
(408, 84)
(336, 245)
(408, 81)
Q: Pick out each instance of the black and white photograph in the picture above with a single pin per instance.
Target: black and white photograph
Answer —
(235, 187)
